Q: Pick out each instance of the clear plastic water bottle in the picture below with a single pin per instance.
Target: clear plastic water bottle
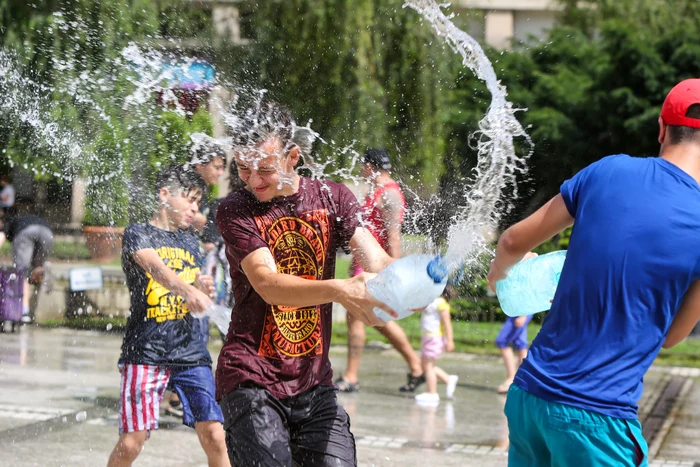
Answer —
(219, 314)
(530, 284)
(408, 283)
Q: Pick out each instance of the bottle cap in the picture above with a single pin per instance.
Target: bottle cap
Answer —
(437, 270)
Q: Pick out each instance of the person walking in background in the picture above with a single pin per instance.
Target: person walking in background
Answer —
(7, 196)
(436, 337)
(513, 332)
(630, 285)
(209, 161)
(164, 344)
(383, 213)
(32, 243)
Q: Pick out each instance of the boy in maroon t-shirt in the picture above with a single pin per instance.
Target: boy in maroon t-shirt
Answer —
(282, 231)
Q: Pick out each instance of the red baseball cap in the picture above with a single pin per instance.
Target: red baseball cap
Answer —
(682, 96)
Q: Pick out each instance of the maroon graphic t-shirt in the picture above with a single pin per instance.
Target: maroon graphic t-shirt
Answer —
(280, 348)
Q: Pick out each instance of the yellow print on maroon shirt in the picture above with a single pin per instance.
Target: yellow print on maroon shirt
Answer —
(162, 305)
(298, 246)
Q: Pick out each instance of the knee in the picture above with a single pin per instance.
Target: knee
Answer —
(213, 436)
(129, 447)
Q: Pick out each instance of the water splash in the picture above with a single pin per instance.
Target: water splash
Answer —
(498, 165)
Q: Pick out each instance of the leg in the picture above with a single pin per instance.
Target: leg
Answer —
(196, 390)
(509, 362)
(256, 428)
(22, 255)
(141, 390)
(320, 430)
(578, 437)
(441, 374)
(430, 376)
(127, 449)
(527, 445)
(397, 338)
(356, 346)
(213, 440)
(522, 355)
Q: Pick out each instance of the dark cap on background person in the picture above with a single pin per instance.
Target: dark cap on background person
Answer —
(675, 108)
(377, 158)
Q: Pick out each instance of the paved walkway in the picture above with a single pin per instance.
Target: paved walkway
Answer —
(58, 393)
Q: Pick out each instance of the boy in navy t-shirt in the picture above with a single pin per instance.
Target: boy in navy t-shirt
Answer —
(629, 286)
(164, 343)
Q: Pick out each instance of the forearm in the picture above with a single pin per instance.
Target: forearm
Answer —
(153, 265)
(524, 236)
(394, 248)
(368, 252)
(287, 290)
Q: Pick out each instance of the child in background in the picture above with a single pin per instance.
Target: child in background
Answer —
(514, 331)
(436, 330)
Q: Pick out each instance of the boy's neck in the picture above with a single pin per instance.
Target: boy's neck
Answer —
(160, 220)
(684, 156)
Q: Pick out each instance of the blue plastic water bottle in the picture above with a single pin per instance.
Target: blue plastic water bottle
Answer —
(530, 284)
(408, 283)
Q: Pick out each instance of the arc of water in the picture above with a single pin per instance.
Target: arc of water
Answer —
(497, 165)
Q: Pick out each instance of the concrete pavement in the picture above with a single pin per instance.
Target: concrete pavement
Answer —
(59, 388)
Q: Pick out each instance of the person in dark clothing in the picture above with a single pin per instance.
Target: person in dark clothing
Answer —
(32, 243)
(164, 343)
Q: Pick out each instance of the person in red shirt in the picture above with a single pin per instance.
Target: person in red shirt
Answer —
(282, 231)
(383, 210)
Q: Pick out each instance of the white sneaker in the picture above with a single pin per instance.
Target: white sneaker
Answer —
(451, 385)
(427, 398)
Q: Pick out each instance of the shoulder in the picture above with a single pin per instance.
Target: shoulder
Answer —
(136, 229)
(234, 204)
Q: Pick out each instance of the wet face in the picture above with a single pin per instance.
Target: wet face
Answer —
(180, 206)
(368, 171)
(212, 171)
(266, 171)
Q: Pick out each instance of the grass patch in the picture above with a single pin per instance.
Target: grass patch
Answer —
(342, 267)
(478, 338)
(89, 323)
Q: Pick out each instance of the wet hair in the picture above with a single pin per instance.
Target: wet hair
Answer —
(269, 120)
(205, 153)
(679, 134)
(179, 178)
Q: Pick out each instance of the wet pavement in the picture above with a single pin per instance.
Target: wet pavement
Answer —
(59, 389)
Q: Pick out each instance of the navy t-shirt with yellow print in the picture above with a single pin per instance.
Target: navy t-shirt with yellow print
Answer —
(160, 330)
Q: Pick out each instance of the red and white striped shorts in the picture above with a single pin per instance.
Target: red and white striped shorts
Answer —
(142, 389)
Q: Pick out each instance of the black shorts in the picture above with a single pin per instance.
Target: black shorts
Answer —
(309, 430)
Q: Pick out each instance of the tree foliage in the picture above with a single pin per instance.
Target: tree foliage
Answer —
(367, 71)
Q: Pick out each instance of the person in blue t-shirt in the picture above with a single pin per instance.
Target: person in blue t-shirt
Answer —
(629, 286)
(163, 342)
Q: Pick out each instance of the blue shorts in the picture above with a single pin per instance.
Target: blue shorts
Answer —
(142, 389)
(509, 334)
(544, 433)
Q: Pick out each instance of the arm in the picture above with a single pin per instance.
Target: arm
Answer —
(391, 208)
(149, 260)
(293, 291)
(368, 252)
(447, 324)
(519, 239)
(686, 318)
(2, 239)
